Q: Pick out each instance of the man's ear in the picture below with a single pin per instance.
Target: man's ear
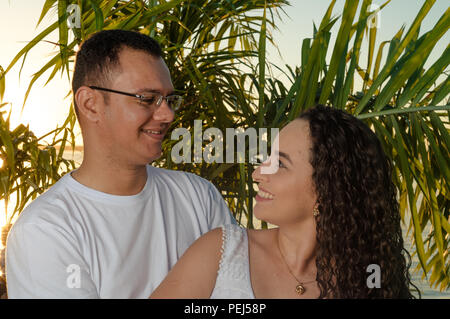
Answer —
(89, 103)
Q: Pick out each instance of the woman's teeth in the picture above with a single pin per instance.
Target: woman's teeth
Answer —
(265, 195)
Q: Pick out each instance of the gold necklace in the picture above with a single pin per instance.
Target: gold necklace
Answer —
(300, 288)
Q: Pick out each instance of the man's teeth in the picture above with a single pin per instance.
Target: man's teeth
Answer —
(265, 195)
(151, 132)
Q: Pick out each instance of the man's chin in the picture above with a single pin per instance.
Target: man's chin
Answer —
(153, 157)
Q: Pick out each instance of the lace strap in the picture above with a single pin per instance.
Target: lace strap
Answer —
(233, 276)
(234, 252)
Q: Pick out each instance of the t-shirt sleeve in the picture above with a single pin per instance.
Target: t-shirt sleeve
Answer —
(219, 212)
(43, 261)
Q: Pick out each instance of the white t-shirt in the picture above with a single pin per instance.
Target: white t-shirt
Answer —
(76, 242)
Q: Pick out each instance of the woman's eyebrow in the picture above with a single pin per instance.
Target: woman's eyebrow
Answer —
(284, 155)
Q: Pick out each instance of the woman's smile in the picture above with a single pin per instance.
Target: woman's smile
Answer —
(263, 195)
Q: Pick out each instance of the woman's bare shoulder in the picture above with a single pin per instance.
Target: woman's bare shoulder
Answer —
(211, 240)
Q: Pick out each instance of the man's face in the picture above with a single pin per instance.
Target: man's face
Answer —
(133, 131)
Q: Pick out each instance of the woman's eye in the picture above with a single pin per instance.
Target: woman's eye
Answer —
(281, 165)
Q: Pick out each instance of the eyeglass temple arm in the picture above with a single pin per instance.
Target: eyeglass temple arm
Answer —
(114, 91)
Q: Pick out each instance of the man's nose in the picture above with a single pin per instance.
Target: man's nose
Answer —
(164, 113)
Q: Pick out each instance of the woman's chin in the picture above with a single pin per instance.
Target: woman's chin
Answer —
(260, 214)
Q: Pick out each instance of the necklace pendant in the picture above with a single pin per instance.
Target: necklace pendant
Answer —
(300, 289)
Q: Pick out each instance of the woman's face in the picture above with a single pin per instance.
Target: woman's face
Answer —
(287, 196)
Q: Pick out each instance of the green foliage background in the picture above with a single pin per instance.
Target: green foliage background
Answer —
(216, 51)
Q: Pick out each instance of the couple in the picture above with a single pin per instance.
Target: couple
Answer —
(116, 226)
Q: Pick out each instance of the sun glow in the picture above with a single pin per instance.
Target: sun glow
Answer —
(46, 108)
(35, 114)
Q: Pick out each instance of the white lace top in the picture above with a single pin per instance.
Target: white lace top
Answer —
(233, 276)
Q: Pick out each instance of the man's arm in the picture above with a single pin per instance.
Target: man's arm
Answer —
(219, 213)
(43, 261)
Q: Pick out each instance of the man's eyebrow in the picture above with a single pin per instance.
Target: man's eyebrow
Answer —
(148, 90)
(286, 156)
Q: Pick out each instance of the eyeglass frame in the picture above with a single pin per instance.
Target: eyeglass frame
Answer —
(141, 97)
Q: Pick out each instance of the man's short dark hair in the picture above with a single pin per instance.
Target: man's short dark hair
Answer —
(98, 56)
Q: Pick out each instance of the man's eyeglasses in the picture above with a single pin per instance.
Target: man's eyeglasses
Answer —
(149, 99)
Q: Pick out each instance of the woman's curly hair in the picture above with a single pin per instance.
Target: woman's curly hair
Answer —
(359, 220)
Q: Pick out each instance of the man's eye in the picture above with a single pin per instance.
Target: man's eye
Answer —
(148, 100)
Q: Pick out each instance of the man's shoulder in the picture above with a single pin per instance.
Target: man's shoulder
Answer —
(180, 177)
(191, 193)
(47, 206)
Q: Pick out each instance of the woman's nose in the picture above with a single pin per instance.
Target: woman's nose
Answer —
(257, 176)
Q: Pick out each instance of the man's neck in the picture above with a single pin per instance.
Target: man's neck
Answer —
(111, 179)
